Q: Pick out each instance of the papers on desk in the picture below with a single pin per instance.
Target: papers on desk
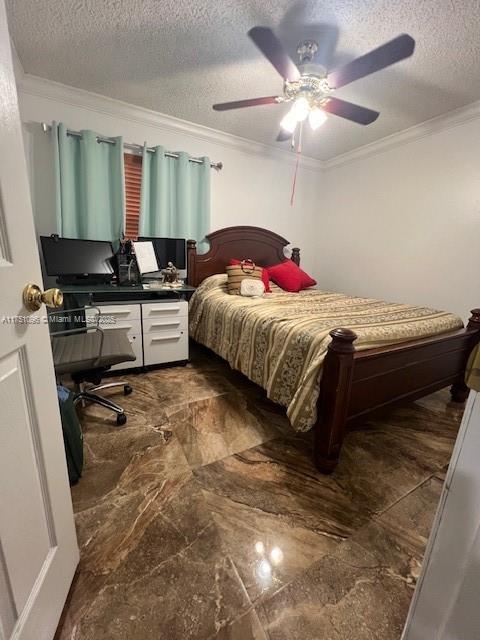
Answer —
(146, 259)
(164, 286)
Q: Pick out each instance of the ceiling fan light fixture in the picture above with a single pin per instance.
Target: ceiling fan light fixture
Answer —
(289, 122)
(316, 117)
(300, 109)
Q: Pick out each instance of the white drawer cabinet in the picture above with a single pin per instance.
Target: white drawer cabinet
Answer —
(165, 346)
(170, 309)
(165, 332)
(118, 316)
(155, 325)
(157, 331)
(120, 311)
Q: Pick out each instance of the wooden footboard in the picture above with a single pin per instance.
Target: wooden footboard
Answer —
(355, 384)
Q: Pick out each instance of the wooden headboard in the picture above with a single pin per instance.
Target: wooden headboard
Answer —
(260, 245)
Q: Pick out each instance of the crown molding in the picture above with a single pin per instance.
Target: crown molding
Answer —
(41, 87)
(48, 89)
(448, 120)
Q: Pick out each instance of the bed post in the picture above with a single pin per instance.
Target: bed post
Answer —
(459, 390)
(191, 262)
(474, 321)
(296, 256)
(332, 406)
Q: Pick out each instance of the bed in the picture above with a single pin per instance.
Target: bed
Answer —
(330, 359)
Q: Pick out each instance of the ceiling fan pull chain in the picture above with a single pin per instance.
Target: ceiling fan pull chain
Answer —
(298, 153)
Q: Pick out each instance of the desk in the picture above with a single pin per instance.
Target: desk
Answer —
(80, 295)
(156, 320)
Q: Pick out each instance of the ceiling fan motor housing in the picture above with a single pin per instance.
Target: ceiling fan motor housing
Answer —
(312, 87)
(312, 83)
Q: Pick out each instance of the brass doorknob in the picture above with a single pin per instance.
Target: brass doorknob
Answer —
(33, 297)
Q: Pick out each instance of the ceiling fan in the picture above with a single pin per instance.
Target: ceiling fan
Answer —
(309, 85)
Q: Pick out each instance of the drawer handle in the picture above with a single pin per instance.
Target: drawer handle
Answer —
(117, 312)
(113, 326)
(165, 324)
(159, 338)
(168, 309)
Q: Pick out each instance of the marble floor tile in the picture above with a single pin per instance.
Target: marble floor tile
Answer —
(192, 594)
(278, 478)
(205, 518)
(437, 429)
(178, 386)
(362, 590)
(441, 402)
(338, 600)
(268, 549)
(247, 627)
(272, 495)
(146, 426)
(275, 514)
(142, 402)
(397, 538)
(143, 527)
(376, 468)
(220, 426)
(409, 520)
(154, 489)
(385, 458)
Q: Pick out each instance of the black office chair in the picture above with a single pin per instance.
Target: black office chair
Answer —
(86, 353)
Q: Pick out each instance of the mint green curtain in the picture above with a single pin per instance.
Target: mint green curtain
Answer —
(175, 197)
(90, 190)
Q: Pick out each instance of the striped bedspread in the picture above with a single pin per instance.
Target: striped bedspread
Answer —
(279, 341)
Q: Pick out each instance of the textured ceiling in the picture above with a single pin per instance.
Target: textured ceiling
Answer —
(180, 56)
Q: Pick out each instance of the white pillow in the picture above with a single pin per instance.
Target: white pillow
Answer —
(252, 288)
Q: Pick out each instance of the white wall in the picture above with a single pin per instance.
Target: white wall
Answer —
(253, 187)
(404, 223)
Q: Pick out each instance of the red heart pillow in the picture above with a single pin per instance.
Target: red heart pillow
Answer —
(265, 278)
(290, 277)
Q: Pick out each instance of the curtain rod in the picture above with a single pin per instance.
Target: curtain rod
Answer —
(134, 147)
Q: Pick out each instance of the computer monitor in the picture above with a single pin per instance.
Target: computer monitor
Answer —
(73, 260)
(170, 250)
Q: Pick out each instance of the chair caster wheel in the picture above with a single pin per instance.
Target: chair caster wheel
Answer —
(121, 419)
(127, 389)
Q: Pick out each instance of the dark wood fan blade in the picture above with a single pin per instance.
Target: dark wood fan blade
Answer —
(350, 111)
(283, 135)
(240, 104)
(389, 53)
(272, 48)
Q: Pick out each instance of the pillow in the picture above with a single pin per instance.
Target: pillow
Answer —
(252, 288)
(241, 271)
(265, 278)
(290, 277)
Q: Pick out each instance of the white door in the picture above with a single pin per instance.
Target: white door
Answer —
(445, 605)
(38, 547)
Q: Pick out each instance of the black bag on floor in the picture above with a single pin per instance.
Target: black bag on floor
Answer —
(72, 434)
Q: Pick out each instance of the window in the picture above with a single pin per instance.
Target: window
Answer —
(133, 182)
